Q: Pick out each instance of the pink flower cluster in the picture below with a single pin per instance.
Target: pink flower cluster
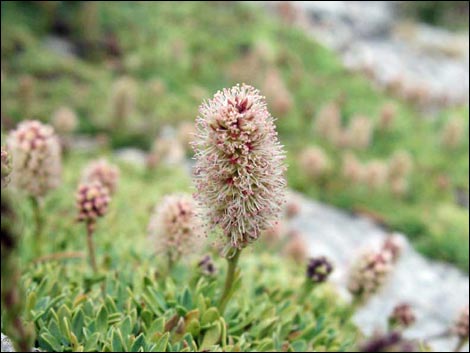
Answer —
(239, 171)
(175, 226)
(402, 316)
(36, 156)
(104, 172)
(6, 167)
(369, 274)
(461, 325)
(92, 201)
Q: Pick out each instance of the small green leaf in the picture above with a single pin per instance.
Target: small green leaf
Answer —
(194, 327)
(162, 343)
(299, 346)
(157, 326)
(118, 343)
(139, 342)
(50, 343)
(211, 337)
(126, 327)
(78, 323)
(187, 300)
(211, 315)
(102, 320)
(91, 343)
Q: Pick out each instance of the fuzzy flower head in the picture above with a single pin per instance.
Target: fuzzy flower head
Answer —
(375, 174)
(389, 342)
(103, 172)
(295, 248)
(319, 269)
(123, 100)
(6, 167)
(402, 316)
(277, 94)
(328, 122)
(166, 150)
(186, 132)
(293, 206)
(400, 165)
(274, 233)
(461, 325)
(64, 120)
(314, 162)
(360, 132)
(453, 133)
(239, 171)
(36, 154)
(174, 226)
(207, 266)
(394, 245)
(92, 201)
(369, 274)
(352, 168)
(387, 116)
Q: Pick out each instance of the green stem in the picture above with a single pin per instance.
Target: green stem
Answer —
(460, 345)
(38, 223)
(306, 290)
(229, 280)
(91, 247)
(170, 263)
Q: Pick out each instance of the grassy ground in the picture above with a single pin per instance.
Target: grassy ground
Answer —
(195, 49)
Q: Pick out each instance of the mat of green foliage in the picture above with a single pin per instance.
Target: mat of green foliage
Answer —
(209, 38)
(147, 309)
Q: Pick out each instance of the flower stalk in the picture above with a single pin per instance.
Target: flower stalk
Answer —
(91, 247)
(230, 279)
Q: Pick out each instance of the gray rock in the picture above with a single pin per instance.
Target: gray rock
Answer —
(133, 156)
(368, 35)
(7, 346)
(437, 291)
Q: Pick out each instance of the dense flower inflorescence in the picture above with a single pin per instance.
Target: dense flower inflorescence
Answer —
(314, 162)
(36, 154)
(186, 132)
(375, 174)
(453, 133)
(64, 120)
(360, 132)
(166, 150)
(277, 94)
(274, 233)
(174, 226)
(393, 244)
(103, 172)
(328, 122)
(461, 325)
(400, 165)
(369, 274)
(6, 167)
(319, 269)
(389, 342)
(352, 168)
(207, 266)
(402, 316)
(296, 247)
(387, 116)
(92, 201)
(292, 207)
(123, 100)
(239, 171)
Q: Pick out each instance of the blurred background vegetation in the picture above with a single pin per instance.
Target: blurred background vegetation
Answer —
(169, 58)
